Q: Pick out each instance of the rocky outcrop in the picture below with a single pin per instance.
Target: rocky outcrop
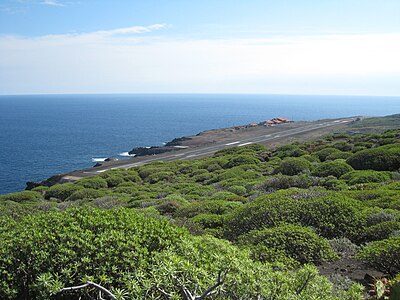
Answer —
(100, 163)
(178, 141)
(48, 182)
(142, 151)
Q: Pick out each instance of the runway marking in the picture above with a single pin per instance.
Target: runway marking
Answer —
(248, 143)
(233, 143)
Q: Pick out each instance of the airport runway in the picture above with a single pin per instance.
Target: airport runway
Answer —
(207, 150)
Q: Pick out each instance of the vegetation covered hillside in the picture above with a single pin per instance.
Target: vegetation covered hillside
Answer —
(247, 223)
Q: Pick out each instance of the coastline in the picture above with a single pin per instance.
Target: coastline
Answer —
(206, 143)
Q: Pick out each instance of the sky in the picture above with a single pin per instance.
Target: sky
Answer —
(332, 47)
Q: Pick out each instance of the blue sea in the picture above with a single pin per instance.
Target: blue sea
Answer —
(44, 135)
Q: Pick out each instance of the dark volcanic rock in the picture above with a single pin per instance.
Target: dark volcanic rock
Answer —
(111, 159)
(48, 182)
(177, 141)
(142, 151)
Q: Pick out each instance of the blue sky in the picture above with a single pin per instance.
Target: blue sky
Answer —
(220, 46)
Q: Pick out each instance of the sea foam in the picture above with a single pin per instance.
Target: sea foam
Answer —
(98, 159)
(126, 154)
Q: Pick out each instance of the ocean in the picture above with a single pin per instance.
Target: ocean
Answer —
(48, 134)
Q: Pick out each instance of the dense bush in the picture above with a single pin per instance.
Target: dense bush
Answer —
(295, 241)
(209, 220)
(379, 231)
(86, 194)
(332, 183)
(265, 211)
(289, 151)
(332, 168)
(324, 153)
(380, 159)
(334, 216)
(114, 180)
(293, 166)
(356, 177)
(238, 190)
(89, 243)
(138, 257)
(242, 159)
(280, 182)
(339, 155)
(218, 207)
(25, 196)
(331, 216)
(93, 183)
(383, 255)
(343, 146)
(62, 191)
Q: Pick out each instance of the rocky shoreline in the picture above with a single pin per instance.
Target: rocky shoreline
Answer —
(204, 138)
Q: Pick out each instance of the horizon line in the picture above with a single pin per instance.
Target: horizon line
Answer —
(193, 93)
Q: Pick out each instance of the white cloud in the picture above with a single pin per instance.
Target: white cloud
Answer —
(128, 60)
(52, 3)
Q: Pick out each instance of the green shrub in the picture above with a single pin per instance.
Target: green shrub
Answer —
(137, 256)
(295, 241)
(238, 190)
(343, 146)
(218, 207)
(168, 207)
(89, 243)
(93, 183)
(114, 180)
(332, 183)
(332, 168)
(310, 158)
(209, 220)
(41, 189)
(133, 177)
(324, 153)
(265, 211)
(293, 166)
(160, 176)
(25, 196)
(379, 231)
(264, 254)
(289, 151)
(383, 158)
(341, 155)
(62, 191)
(333, 216)
(242, 159)
(130, 190)
(86, 194)
(367, 176)
(383, 255)
(358, 148)
(280, 182)
(382, 216)
(228, 196)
